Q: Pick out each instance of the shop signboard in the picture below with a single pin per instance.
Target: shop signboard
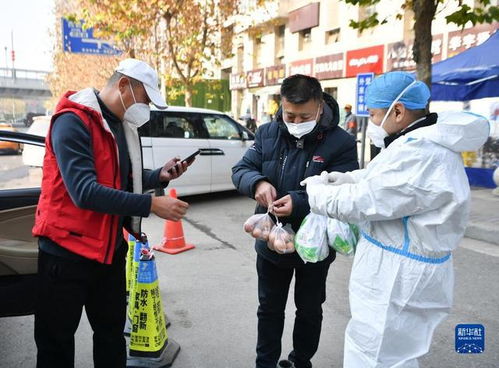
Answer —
(237, 81)
(255, 78)
(305, 67)
(399, 55)
(329, 66)
(369, 59)
(275, 74)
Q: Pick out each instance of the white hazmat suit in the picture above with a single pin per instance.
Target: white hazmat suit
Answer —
(411, 204)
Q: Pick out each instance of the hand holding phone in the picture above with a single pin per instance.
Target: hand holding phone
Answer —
(188, 160)
(191, 158)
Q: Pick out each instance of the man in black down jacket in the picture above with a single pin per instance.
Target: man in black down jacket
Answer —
(303, 141)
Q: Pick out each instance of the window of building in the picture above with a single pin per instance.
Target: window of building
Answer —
(305, 39)
(368, 11)
(257, 52)
(240, 59)
(365, 12)
(332, 91)
(226, 46)
(279, 44)
(225, 73)
(332, 36)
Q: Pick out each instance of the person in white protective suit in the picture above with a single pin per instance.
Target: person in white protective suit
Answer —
(411, 204)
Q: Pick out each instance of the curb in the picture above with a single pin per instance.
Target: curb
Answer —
(484, 232)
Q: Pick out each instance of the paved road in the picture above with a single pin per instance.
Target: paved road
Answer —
(15, 175)
(209, 295)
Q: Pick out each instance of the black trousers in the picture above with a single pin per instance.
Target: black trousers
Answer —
(65, 286)
(310, 293)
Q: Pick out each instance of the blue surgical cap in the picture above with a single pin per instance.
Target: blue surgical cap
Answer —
(384, 90)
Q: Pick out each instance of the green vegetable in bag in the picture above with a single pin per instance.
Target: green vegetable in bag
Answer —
(342, 237)
(311, 239)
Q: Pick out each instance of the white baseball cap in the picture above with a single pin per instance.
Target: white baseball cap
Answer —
(142, 72)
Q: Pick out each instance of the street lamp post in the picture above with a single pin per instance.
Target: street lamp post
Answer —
(13, 54)
(6, 59)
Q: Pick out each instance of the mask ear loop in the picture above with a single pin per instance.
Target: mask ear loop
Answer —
(121, 99)
(131, 89)
(133, 95)
(395, 101)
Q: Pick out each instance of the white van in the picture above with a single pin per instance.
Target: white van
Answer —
(180, 131)
(33, 155)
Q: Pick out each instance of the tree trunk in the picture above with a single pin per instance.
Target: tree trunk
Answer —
(188, 96)
(424, 12)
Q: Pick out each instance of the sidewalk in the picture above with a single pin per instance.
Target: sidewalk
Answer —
(484, 217)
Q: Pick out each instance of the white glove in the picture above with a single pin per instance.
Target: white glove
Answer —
(338, 178)
(314, 180)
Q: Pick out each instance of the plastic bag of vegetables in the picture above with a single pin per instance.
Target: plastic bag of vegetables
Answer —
(342, 237)
(311, 239)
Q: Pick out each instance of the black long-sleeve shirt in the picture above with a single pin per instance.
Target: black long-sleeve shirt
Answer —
(72, 147)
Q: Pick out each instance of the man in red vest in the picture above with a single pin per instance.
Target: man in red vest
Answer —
(92, 187)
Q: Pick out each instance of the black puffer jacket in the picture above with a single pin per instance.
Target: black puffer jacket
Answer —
(284, 161)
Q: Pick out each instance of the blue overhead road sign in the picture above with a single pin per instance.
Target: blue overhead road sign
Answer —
(77, 40)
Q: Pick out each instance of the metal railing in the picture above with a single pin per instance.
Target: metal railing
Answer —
(23, 74)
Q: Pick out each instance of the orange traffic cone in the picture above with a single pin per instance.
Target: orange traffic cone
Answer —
(173, 236)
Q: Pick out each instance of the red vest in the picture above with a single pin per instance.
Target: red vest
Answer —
(84, 232)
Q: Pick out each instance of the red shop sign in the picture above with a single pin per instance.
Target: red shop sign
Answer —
(255, 78)
(365, 60)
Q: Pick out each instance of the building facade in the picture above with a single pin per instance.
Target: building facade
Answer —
(314, 38)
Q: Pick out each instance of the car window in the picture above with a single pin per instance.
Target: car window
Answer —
(220, 127)
(173, 125)
(20, 165)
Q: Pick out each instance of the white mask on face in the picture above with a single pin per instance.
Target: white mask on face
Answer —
(138, 113)
(377, 133)
(298, 130)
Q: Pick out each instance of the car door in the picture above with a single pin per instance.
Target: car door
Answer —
(19, 193)
(146, 142)
(228, 143)
(180, 134)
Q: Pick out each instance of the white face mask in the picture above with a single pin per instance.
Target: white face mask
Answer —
(138, 113)
(377, 133)
(298, 130)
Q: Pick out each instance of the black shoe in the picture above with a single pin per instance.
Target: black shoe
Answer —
(285, 364)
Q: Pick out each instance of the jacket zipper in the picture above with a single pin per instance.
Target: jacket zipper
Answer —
(109, 245)
(283, 167)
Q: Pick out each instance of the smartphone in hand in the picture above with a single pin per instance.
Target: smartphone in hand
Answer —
(187, 160)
